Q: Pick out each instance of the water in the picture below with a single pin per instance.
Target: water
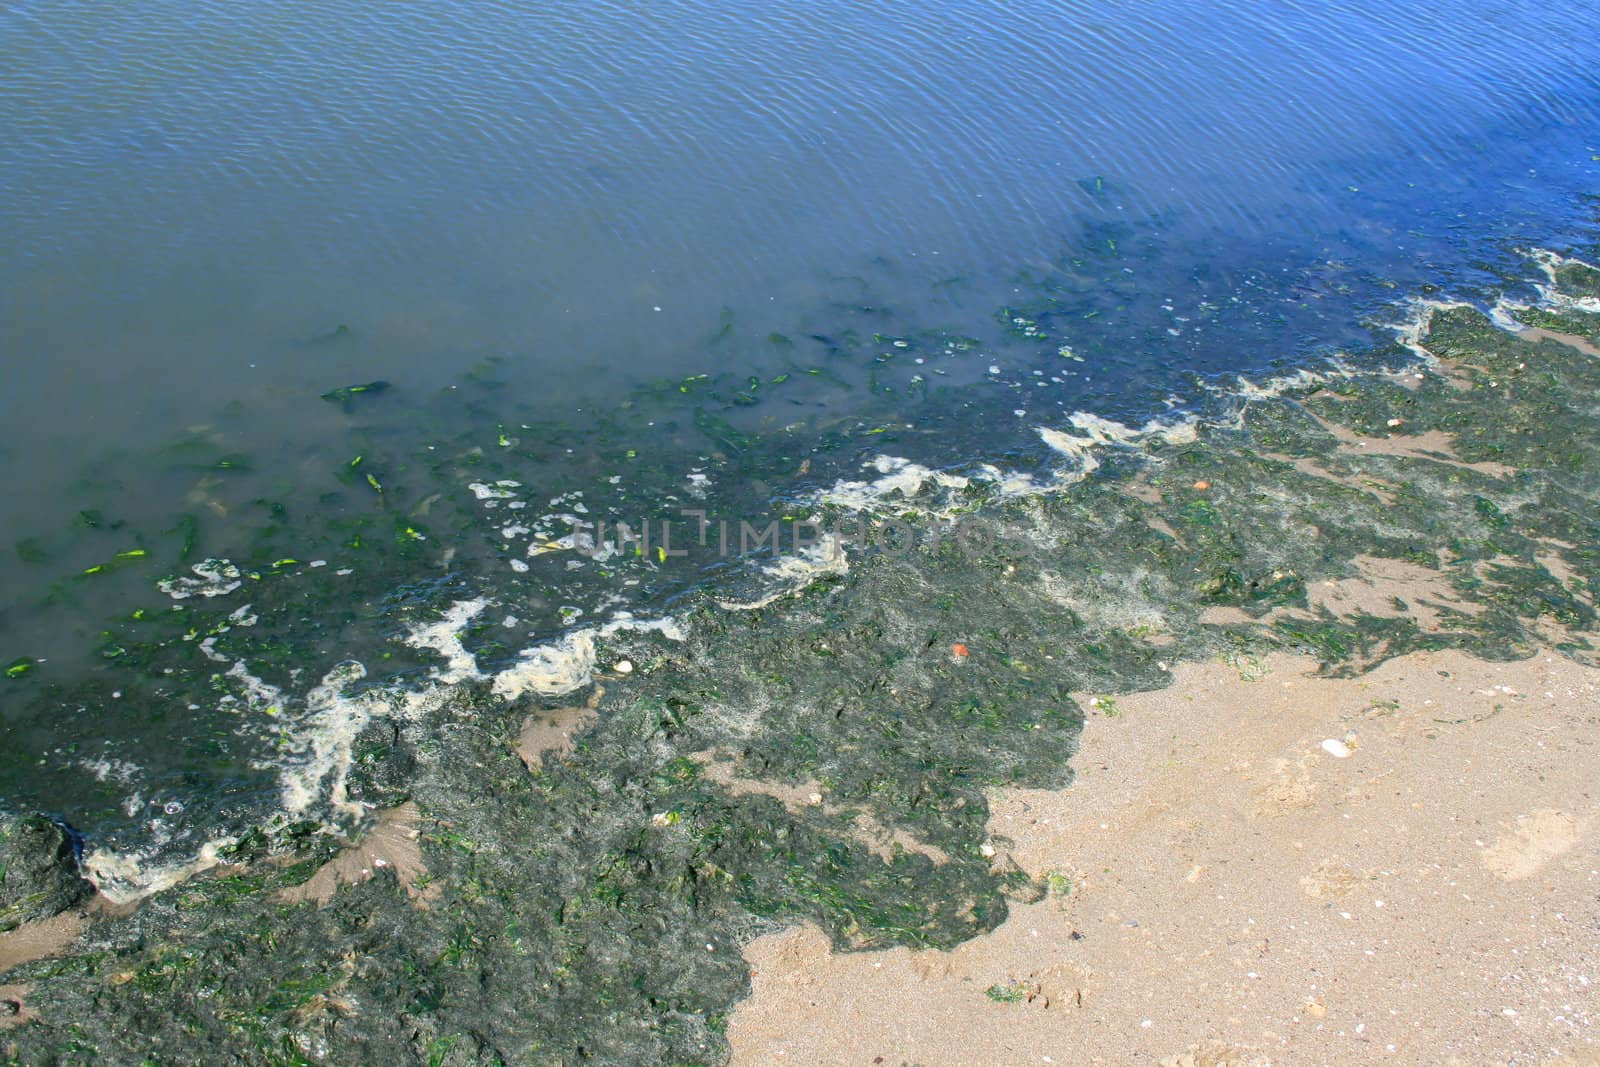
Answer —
(212, 214)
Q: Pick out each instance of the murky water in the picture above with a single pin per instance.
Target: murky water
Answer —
(215, 213)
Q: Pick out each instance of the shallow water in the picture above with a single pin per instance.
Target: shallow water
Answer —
(194, 194)
(214, 214)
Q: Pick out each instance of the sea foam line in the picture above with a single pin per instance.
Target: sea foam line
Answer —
(320, 754)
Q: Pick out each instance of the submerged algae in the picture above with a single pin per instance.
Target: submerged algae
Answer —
(593, 909)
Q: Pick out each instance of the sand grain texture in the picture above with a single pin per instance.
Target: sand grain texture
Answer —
(1239, 895)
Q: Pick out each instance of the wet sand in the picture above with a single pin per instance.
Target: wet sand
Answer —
(1260, 866)
(37, 940)
(40, 939)
(392, 842)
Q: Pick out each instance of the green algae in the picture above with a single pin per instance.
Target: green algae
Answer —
(38, 877)
(1007, 993)
(1578, 280)
(29, 551)
(346, 395)
(551, 884)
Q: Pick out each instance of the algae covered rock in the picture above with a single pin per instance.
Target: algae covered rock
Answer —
(38, 871)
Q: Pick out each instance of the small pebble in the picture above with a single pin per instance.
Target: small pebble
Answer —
(1336, 748)
(624, 667)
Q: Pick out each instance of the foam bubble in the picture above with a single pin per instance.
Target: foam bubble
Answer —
(213, 577)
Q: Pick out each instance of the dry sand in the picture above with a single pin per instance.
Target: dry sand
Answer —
(1241, 894)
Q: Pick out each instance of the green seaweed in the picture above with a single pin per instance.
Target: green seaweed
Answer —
(345, 396)
(903, 691)
(30, 551)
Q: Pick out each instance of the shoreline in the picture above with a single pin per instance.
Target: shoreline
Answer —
(1224, 890)
(563, 664)
(885, 757)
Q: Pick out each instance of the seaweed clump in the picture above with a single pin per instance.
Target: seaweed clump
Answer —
(39, 875)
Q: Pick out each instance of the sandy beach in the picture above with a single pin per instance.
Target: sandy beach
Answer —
(1261, 866)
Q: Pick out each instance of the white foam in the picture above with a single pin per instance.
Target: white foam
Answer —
(901, 478)
(317, 734)
(319, 746)
(125, 877)
(1549, 262)
(567, 663)
(501, 490)
(315, 739)
(1095, 433)
(112, 770)
(444, 637)
(213, 577)
(1504, 315)
(259, 695)
(1415, 324)
(553, 668)
(895, 475)
(792, 573)
(1278, 386)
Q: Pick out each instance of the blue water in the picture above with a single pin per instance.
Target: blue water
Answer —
(211, 213)
(184, 188)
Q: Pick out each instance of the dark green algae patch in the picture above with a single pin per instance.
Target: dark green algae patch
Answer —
(594, 909)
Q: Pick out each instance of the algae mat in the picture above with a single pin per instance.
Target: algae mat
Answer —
(828, 753)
